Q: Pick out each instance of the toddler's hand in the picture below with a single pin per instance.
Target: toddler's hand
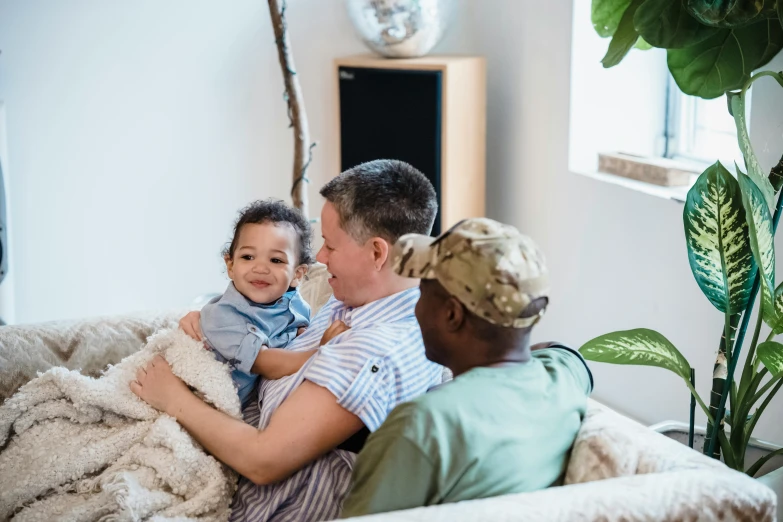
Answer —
(301, 330)
(335, 329)
(191, 325)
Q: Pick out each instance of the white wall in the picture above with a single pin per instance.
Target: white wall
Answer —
(136, 130)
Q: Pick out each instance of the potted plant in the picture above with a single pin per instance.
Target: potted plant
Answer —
(713, 47)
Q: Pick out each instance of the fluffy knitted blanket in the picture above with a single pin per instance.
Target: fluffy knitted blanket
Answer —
(78, 448)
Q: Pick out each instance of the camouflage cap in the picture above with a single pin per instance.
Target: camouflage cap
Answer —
(495, 271)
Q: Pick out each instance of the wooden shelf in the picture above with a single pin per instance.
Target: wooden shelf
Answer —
(463, 127)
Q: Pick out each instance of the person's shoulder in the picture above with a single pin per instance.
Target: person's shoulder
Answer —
(557, 356)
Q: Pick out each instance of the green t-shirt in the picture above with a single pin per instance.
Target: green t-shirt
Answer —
(491, 431)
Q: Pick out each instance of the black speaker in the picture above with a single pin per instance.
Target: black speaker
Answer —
(392, 114)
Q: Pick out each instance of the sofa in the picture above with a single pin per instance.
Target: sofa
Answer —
(618, 470)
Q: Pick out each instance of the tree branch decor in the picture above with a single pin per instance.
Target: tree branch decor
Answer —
(297, 115)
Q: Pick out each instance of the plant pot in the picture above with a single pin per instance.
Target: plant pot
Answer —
(770, 474)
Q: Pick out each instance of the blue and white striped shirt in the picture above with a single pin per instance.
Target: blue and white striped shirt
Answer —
(376, 365)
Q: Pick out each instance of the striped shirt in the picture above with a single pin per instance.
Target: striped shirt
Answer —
(370, 369)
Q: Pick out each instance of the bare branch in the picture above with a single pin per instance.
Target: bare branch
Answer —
(296, 107)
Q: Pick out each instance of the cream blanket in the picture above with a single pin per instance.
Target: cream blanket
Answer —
(77, 448)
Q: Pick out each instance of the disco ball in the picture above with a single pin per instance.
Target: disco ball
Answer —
(400, 28)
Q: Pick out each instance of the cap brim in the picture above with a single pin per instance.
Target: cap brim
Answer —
(413, 256)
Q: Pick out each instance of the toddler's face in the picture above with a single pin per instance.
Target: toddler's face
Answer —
(265, 261)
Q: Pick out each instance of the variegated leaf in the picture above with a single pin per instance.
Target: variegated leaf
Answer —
(755, 172)
(762, 242)
(716, 233)
(771, 354)
(777, 327)
(637, 347)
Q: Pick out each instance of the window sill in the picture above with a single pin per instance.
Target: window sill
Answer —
(678, 194)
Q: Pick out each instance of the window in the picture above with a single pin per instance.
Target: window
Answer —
(700, 130)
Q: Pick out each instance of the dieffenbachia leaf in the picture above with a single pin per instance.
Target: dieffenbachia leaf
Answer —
(606, 15)
(725, 60)
(762, 242)
(716, 233)
(755, 173)
(637, 347)
(771, 354)
(777, 327)
(728, 13)
(666, 24)
(624, 38)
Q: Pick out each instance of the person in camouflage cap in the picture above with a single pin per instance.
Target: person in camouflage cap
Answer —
(506, 422)
(492, 269)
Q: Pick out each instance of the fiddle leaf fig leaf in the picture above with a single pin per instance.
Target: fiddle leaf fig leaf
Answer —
(637, 347)
(725, 60)
(624, 38)
(727, 13)
(606, 15)
(666, 24)
(716, 233)
(642, 45)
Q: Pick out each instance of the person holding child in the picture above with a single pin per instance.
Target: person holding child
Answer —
(360, 357)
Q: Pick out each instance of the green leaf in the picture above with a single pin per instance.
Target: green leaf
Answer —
(751, 161)
(624, 38)
(725, 13)
(637, 347)
(666, 24)
(762, 242)
(780, 11)
(771, 354)
(777, 327)
(606, 15)
(776, 172)
(716, 233)
(724, 61)
(642, 45)
(774, 40)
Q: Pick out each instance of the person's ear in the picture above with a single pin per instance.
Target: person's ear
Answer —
(380, 252)
(229, 266)
(455, 314)
(299, 273)
(535, 307)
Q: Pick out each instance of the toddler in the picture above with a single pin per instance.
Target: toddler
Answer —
(261, 309)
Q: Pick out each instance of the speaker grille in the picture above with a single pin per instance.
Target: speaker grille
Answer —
(392, 114)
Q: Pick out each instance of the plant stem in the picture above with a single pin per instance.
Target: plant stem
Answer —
(728, 453)
(746, 371)
(719, 372)
(704, 407)
(693, 410)
(763, 460)
(741, 335)
(764, 389)
(776, 75)
(749, 429)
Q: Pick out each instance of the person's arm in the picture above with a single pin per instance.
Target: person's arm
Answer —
(391, 473)
(274, 363)
(307, 425)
